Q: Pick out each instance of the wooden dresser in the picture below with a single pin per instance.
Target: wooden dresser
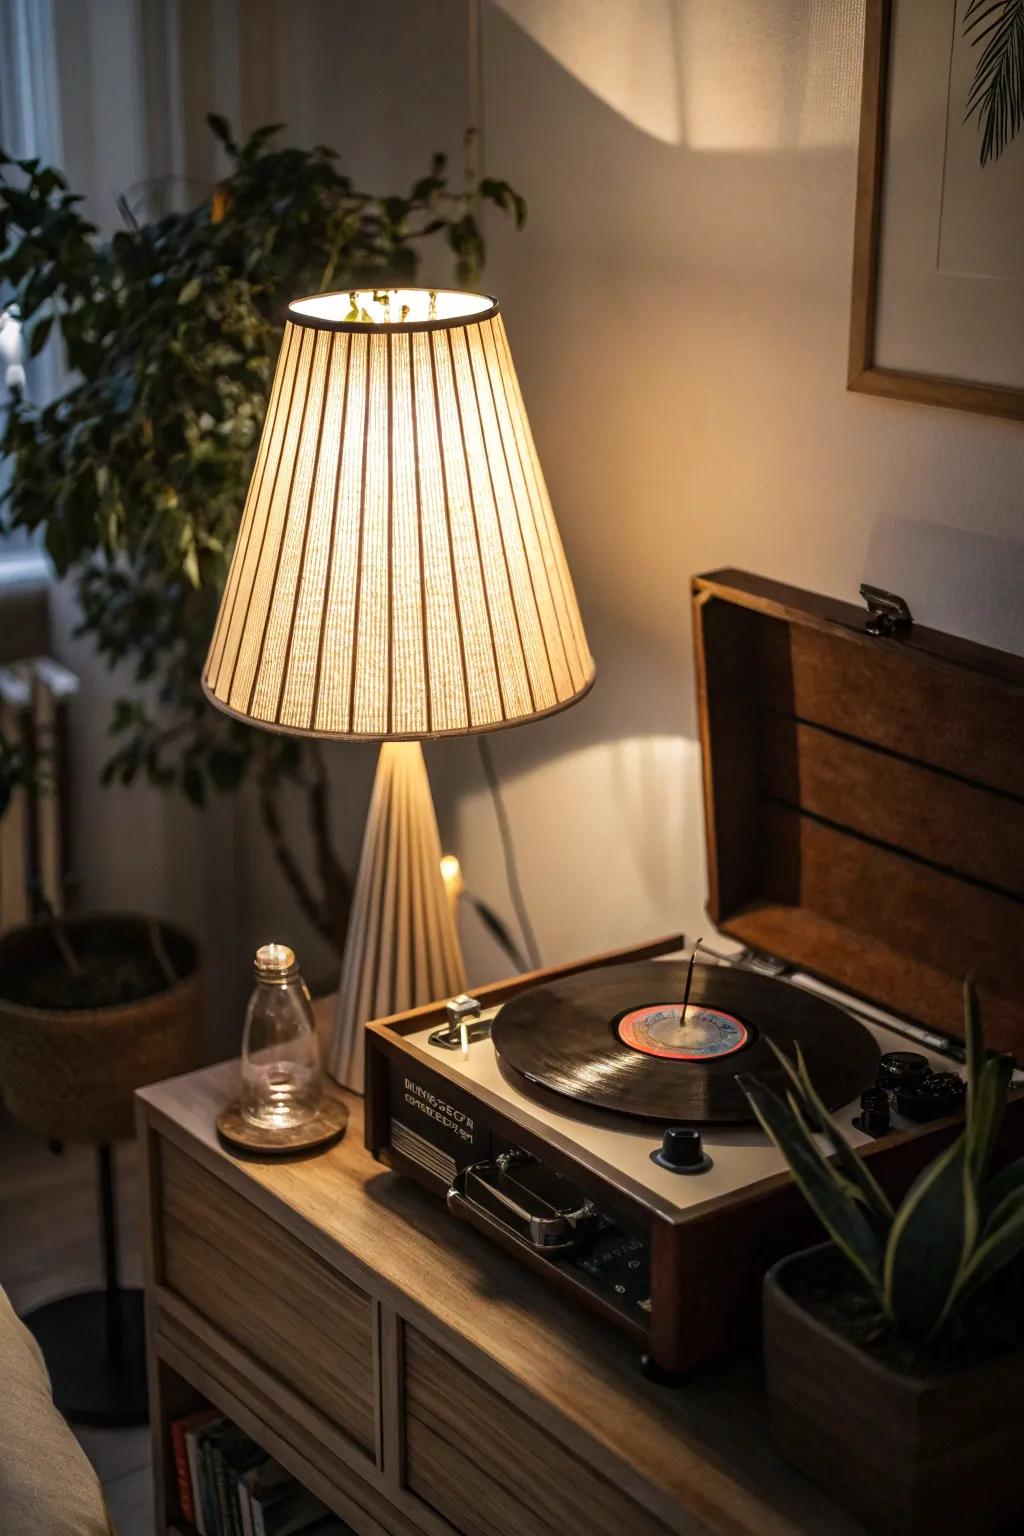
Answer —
(412, 1375)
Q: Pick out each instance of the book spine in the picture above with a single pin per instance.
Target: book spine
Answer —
(233, 1485)
(208, 1491)
(226, 1524)
(245, 1508)
(195, 1473)
(181, 1466)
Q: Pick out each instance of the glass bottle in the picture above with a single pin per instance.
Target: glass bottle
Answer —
(282, 1076)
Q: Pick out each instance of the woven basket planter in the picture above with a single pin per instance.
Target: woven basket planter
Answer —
(69, 1073)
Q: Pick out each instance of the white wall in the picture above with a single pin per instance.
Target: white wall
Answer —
(678, 309)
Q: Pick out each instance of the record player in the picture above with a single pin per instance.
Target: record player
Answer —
(864, 804)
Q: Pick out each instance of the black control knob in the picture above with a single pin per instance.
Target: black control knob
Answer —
(902, 1069)
(938, 1094)
(875, 1117)
(682, 1151)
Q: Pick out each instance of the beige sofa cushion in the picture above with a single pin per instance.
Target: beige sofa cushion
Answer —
(47, 1485)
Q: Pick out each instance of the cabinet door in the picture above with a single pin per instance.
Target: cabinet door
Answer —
(301, 1319)
(491, 1470)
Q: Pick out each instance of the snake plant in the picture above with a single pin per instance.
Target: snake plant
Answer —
(957, 1225)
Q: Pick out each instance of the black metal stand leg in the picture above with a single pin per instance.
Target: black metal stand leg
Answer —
(111, 1258)
(94, 1342)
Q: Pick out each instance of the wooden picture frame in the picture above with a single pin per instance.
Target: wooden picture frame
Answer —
(865, 376)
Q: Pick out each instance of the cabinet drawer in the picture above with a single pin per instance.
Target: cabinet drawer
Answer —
(492, 1471)
(256, 1283)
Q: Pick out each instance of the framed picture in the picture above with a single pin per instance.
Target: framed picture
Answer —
(938, 274)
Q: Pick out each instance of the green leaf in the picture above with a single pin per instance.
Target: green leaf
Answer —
(191, 291)
(988, 1080)
(827, 1194)
(932, 1234)
(996, 1190)
(505, 197)
(986, 1106)
(1004, 1210)
(854, 1168)
(221, 129)
(1003, 1240)
(257, 139)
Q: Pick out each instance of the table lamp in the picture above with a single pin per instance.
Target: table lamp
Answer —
(397, 575)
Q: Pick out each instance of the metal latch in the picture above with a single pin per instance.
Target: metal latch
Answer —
(888, 613)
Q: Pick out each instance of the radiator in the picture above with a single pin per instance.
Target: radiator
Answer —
(35, 863)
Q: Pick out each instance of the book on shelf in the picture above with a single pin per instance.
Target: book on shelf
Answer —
(229, 1486)
(183, 1443)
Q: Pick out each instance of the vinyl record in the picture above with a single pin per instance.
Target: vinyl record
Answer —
(612, 1038)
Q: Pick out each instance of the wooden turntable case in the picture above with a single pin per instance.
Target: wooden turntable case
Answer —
(864, 802)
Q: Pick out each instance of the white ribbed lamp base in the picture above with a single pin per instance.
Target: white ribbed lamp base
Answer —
(402, 947)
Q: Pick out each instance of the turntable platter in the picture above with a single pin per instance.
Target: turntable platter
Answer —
(613, 1038)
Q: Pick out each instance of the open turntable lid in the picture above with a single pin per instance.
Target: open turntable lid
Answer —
(864, 799)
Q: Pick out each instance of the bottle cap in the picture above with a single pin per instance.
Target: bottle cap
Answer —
(274, 961)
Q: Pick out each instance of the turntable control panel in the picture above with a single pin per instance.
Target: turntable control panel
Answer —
(517, 1197)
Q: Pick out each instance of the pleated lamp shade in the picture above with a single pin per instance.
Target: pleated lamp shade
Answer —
(398, 571)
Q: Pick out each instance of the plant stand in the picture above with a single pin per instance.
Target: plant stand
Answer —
(94, 1342)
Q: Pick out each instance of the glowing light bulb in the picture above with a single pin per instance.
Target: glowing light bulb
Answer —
(451, 874)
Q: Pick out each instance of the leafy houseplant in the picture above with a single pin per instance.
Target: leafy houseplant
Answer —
(910, 1322)
(137, 471)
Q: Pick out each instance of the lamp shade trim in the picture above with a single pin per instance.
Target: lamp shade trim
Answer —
(334, 311)
(398, 571)
(318, 735)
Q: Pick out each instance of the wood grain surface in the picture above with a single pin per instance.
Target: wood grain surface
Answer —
(281, 1303)
(493, 1472)
(689, 1459)
(864, 800)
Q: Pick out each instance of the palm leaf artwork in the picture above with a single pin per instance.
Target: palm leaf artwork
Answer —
(996, 96)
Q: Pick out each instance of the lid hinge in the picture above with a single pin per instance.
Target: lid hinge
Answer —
(888, 613)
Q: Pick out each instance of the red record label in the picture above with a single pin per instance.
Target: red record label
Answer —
(706, 1034)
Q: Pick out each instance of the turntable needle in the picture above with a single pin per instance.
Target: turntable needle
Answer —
(689, 981)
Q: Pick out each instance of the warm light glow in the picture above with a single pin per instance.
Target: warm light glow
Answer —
(398, 571)
(625, 53)
(451, 874)
(451, 869)
(780, 77)
(727, 76)
(389, 306)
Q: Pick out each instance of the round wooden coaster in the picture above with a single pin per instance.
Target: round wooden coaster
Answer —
(327, 1125)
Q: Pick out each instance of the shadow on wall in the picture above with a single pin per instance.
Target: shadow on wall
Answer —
(647, 62)
(652, 384)
(948, 570)
(678, 307)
